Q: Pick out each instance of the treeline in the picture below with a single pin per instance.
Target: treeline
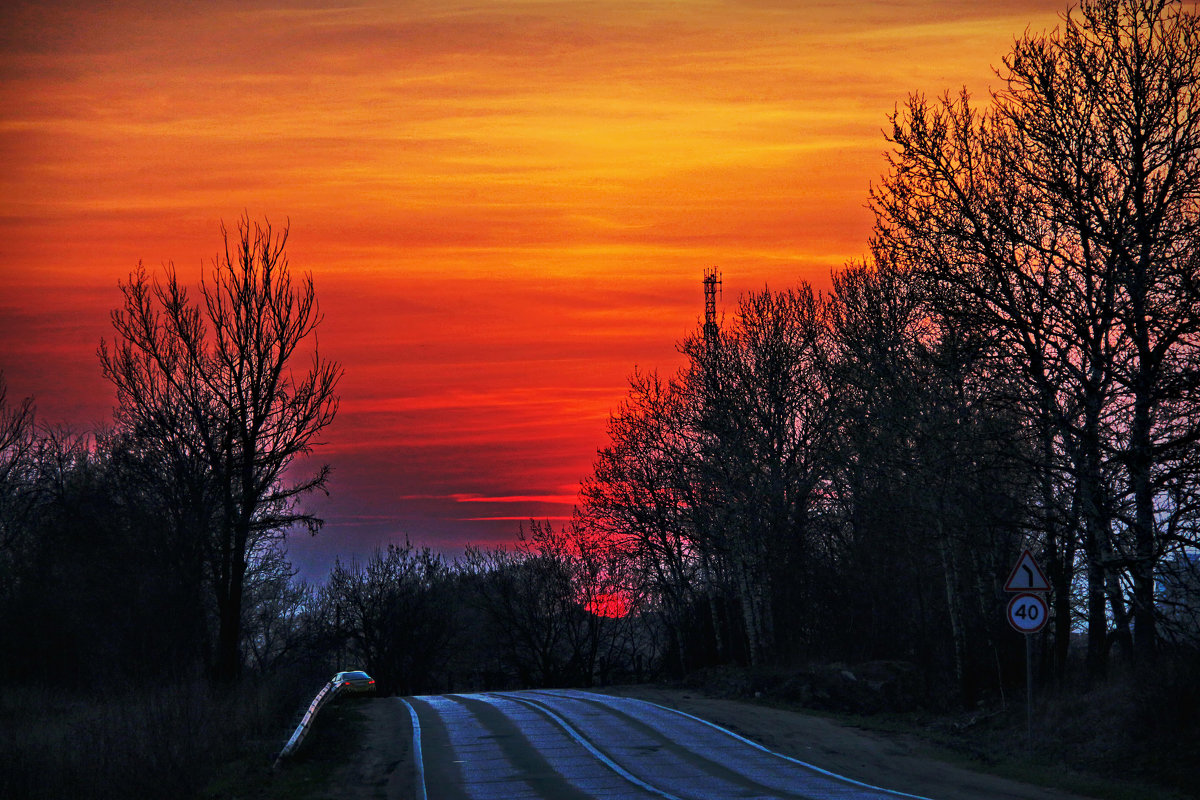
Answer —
(154, 551)
(846, 475)
(1017, 364)
(543, 613)
(145, 550)
(104, 591)
(826, 479)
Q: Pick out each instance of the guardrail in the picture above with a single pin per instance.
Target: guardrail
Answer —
(327, 693)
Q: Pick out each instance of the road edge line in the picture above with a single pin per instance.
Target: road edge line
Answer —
(418, 759)
(591, 748)
(752, 743)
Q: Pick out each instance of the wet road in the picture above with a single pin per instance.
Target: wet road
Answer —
(571, 745)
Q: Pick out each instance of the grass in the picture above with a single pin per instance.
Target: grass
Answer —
(330, 745)
(998, 745)
(150, 742)
(1123, 740)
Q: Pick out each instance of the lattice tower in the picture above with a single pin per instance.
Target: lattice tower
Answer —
(712, 285)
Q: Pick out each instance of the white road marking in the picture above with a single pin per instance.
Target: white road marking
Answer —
(842, 778)
(614, 766)
(417, 758)
(492, 774)
(805, 764)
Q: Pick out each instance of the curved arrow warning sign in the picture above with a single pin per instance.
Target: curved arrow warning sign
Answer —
(1027, 576)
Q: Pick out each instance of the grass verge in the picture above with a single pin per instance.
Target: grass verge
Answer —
(999, 746)
(334, 740)
(1123, 740)
(149, 742)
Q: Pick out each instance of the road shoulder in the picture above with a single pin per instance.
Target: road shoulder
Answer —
(894, 762)
(383, 765)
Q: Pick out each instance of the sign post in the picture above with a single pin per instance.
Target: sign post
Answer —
(1028, 613)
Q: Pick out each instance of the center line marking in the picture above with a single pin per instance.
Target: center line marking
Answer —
(614, 766)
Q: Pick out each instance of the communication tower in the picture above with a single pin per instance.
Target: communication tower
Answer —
(712, 285)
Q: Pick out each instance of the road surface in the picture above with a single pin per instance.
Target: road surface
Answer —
(510, 744)
(572, 745)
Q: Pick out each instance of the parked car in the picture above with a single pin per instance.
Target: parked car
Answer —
(354, 682)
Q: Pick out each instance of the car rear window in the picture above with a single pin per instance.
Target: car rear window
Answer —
(355, 676)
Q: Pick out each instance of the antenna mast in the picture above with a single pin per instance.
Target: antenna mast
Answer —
(712, 283)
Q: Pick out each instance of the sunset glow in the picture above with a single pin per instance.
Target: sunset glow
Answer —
(505, 206)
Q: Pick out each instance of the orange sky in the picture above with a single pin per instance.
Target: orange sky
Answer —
(505, 205)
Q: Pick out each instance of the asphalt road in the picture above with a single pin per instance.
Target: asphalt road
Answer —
(570, 745)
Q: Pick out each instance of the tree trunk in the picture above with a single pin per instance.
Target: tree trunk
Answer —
(229, 634)
(1145, 623)
(1097, 621)
(749, 617)
(957, 629)
(713, 610)
(1060, 557)
(1095, 522)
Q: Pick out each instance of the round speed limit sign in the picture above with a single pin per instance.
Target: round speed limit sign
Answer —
(1028, 612)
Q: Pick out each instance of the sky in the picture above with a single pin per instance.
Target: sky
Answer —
(505, 206)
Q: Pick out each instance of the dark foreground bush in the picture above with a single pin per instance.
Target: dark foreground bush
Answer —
(867, 688)
(147, 742)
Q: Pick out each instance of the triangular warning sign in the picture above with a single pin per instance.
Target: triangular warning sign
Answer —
(1027, 576)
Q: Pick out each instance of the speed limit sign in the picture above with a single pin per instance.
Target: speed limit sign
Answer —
(1028, 613)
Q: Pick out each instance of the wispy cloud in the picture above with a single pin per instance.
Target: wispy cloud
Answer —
(505, 205)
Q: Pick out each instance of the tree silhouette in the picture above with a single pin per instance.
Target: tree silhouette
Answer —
(762, 414)
(1061, 224)
(16, 448)
(642, 495)
(211, 384)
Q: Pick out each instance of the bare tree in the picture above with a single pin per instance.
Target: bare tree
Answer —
(398, 613)
(212, 382)
(528, 603)
(762, 411)
(930, 479)
(1062, 221)
(1140, 63)
(275, 606)
(16, 448)
(550, 604)
(641, 495)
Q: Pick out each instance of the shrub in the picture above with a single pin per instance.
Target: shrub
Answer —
(148, 742)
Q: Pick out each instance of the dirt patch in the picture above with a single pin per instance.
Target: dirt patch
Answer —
(382, 765)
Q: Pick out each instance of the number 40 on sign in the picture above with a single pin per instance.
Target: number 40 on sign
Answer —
(1028, 612)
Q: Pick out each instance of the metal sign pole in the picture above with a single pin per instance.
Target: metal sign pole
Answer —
(1029, 692)
(1028, 612)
